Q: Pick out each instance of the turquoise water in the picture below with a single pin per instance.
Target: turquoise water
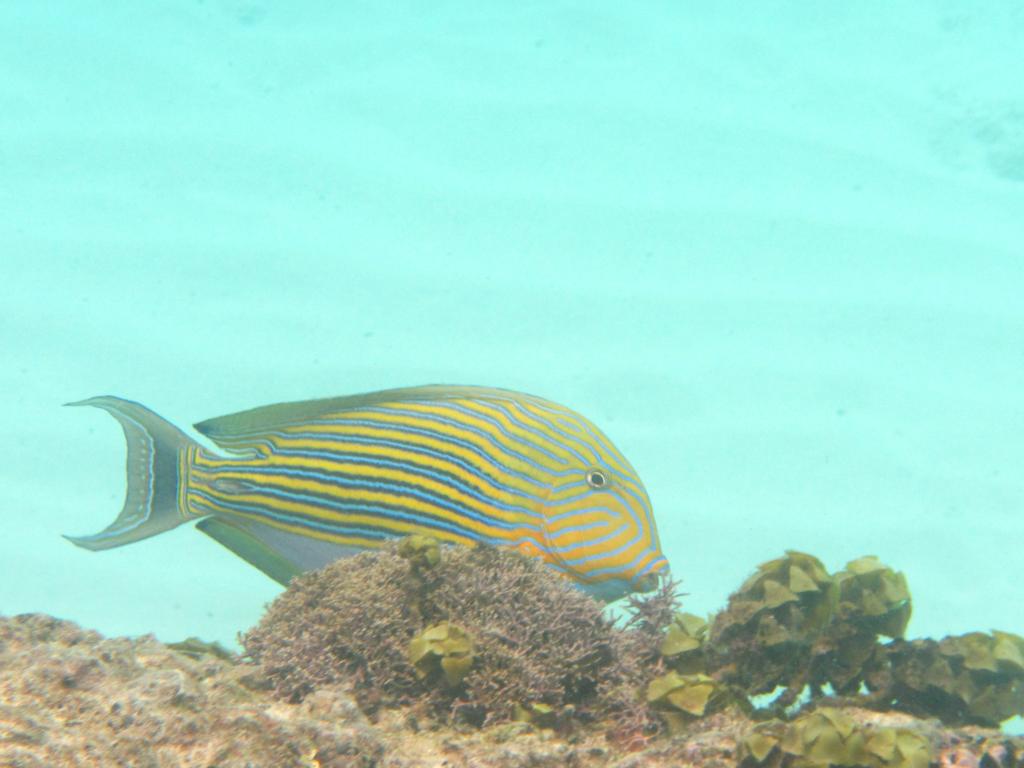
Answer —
(777, 253)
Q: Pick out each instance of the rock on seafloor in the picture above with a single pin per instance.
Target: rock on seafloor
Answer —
(70, 697)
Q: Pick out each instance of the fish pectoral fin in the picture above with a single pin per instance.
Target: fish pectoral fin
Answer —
(251, 548)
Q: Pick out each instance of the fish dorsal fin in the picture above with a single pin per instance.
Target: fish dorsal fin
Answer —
(245, 428)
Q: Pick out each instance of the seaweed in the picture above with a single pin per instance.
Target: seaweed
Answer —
(971, 679)
(765, 637)
(442, 651)
(680, 699)
(795, 627)
(828, 737)
(480, 636)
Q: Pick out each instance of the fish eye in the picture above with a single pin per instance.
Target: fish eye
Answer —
(597, 479)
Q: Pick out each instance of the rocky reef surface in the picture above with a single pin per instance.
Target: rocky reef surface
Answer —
(410, 658)
(71, 697)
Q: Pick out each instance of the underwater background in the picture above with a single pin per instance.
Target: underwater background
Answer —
(775, 250)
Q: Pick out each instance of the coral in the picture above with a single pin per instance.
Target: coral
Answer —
(480, 635)
(652, 613)
(349, 622)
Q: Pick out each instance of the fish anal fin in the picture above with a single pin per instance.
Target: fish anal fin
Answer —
(279, 553)
(250, 548)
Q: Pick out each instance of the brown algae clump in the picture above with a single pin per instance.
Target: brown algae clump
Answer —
(828, 737)
(766, 635)
(681, 699)
(443, 648)
(793, 625)
(971, 679)
(874, 601)
(481, 635)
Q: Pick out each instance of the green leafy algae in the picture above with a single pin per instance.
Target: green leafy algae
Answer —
(445, 647)
(680, 699)
(874, 601)
(683, 643)
(764, 637)
(828, 737)
(422, 552)
(976, 678)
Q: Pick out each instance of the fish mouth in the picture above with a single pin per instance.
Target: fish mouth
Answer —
(657, 573)
(648, 583)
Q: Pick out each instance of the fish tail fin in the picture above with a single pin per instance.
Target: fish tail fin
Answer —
(157, 472)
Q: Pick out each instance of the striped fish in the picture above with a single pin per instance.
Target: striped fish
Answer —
(299, 485)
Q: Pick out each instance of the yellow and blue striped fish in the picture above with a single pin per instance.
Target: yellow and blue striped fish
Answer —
(305, 483)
